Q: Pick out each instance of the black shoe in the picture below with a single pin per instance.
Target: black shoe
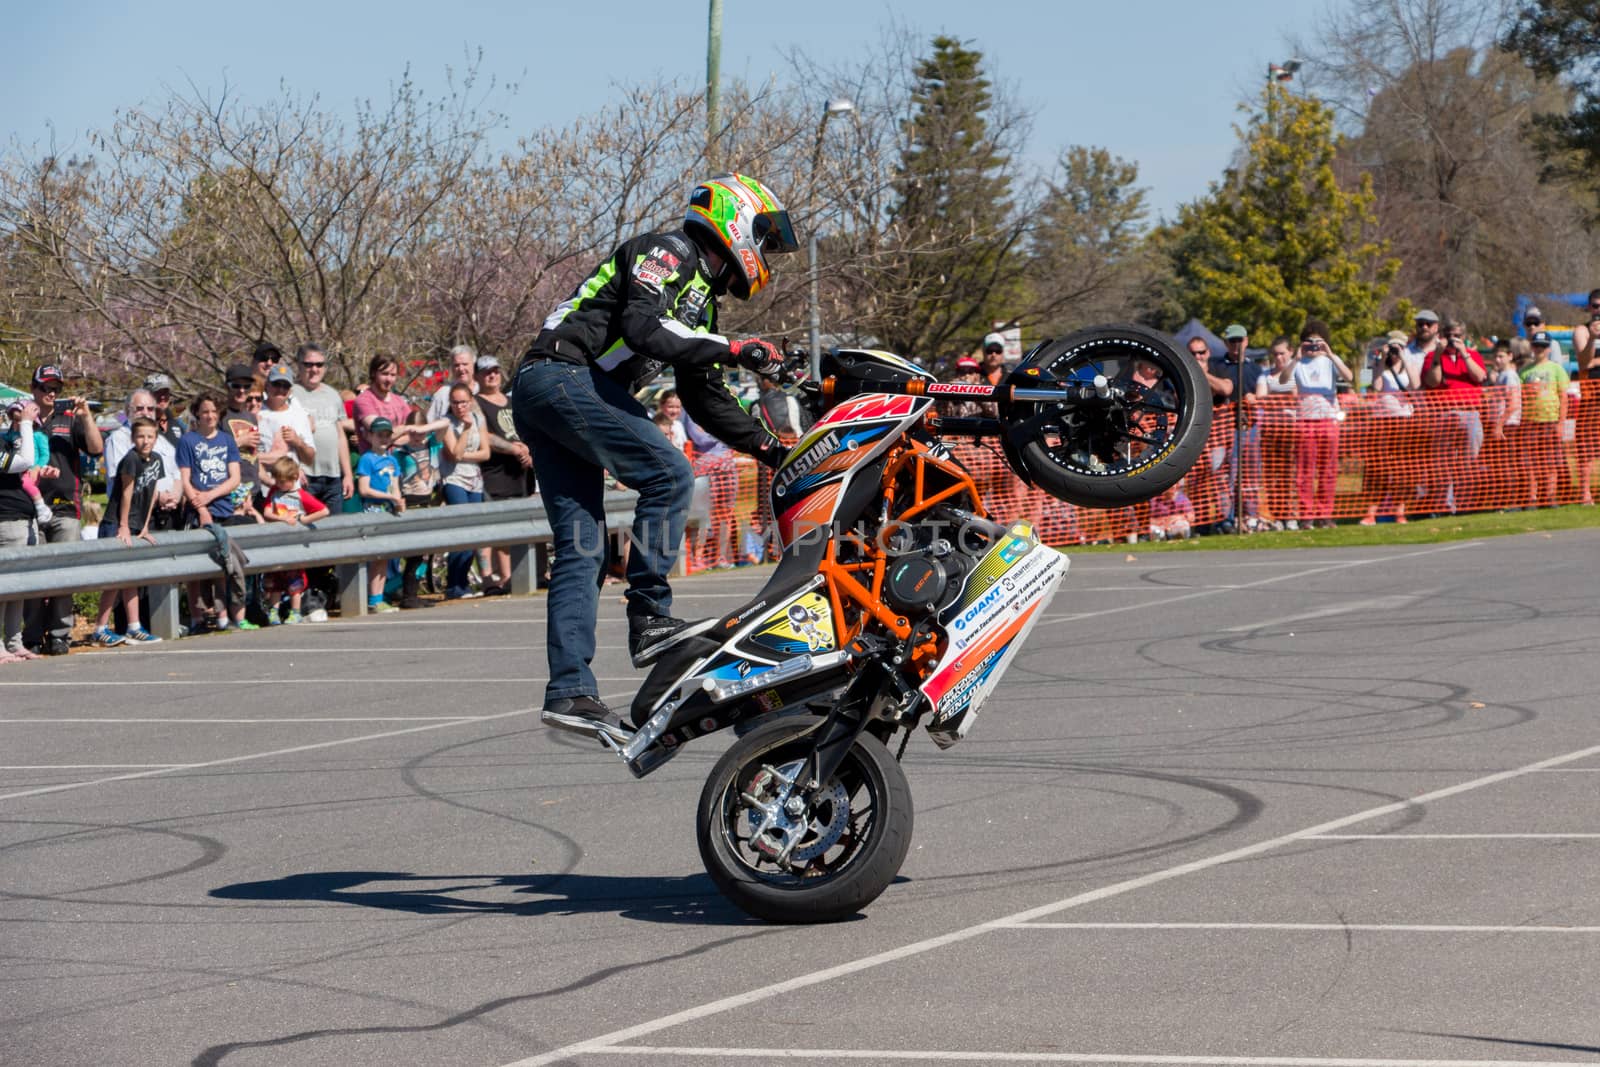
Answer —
(56, 646)
(497, 590)
(651, 635)
(584, 715)
(412, 603)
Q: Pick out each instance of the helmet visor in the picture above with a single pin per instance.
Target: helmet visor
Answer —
(774, 232)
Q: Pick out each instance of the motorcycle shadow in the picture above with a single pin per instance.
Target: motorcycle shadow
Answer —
(690, 899)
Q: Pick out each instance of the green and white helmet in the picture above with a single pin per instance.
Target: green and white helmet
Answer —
(744, 221)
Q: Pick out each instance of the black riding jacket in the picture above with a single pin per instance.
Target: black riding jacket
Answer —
(653, 303)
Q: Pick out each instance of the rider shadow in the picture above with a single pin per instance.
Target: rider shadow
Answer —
(690, 900)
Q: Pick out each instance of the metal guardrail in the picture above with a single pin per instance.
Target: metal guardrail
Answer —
(347, 542)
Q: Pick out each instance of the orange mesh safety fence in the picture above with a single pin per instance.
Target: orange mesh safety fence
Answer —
(1378, 457)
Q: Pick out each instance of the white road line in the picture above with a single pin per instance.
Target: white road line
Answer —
(1376, 928)
(917, 948)
(64, 786)
(275, 682)
(1376, 604)
(80, 766)
(1446, 837)
(329, 718)
(1301, 573)
(334, 650)
(815, 1055)
(1083, 563)
(1571, 770)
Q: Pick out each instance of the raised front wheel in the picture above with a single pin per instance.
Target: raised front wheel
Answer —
(1132, 420)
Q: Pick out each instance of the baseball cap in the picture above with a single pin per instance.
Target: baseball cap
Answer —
(992, 340)
(240, 372)
(967, 363)
(1533, 314)
(380, 425)
(48, 373)
(266, 352)
(158, 382)
(486, 363)
(1235, 332)
(1541, 338)
(279, 373)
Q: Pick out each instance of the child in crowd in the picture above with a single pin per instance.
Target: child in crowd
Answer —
(209, 470)
(288, 502)
(131, 500)
(378, 485)
(1171, 515)
(419, 459)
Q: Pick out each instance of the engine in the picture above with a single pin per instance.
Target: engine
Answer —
(926, 571)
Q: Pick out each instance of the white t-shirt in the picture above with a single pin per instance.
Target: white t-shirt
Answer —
(326, 408)
(294, 417)
(1317, 382)
(439, 406)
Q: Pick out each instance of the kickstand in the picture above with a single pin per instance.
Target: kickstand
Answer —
(904, 741)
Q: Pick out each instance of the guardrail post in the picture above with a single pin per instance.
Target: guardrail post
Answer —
(521, 569)
(352, 589)
(161, 611)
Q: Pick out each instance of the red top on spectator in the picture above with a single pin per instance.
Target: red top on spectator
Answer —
(1454, 368)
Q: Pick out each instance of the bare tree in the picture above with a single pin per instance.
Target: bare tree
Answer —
(204, 227)
(1439, 119)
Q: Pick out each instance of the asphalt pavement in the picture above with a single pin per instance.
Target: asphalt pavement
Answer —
(1321, 808)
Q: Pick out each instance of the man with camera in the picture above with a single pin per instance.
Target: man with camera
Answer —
(72, 433)
(1316, 380)
(1457, 374)
(1586, 338)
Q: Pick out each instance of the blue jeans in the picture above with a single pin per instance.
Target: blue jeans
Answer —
(458, 565)
(580, 424)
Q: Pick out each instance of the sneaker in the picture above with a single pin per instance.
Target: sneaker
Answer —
(651, 635)
(142, 636)
(320, 615)
(244, 625)
(382, 607)
(293, 618)
(584, 715)
(104, 637)
(468, 594)
(412, 603)
(497, 590)
(1292, 524)
(273, 620)
(58, 646)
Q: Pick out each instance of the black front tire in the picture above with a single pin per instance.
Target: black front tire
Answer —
(862, 873)
(1061, 462)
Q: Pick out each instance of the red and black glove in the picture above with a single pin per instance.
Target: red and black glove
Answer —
(755, 354)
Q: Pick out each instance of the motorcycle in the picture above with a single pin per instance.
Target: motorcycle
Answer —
(897, 602)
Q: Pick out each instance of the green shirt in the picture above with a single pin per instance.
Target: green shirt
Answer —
(1544, 403)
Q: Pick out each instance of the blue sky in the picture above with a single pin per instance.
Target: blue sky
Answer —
(1155, 81)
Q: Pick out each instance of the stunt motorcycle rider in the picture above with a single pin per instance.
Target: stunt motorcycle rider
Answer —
(653, 302)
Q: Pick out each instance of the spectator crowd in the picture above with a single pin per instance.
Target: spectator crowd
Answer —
(1444, 424)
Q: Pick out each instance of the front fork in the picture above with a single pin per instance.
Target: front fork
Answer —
(781, 806)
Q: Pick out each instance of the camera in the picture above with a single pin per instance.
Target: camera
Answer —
(63, 405)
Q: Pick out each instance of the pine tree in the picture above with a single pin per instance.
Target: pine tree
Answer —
(953, 232)
(1279, 240)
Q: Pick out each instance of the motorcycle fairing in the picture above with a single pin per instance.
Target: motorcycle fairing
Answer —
(766, 656)
(808, 485)
(1004, 596)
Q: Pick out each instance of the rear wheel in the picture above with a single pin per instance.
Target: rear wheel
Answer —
(824, 861)
(1132, 426)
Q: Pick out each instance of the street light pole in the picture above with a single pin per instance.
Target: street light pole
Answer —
(713, 80)
(836, 105)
